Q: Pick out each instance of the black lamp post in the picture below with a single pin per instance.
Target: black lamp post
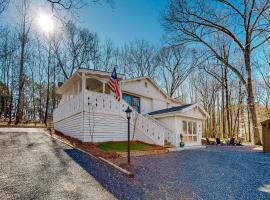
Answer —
(128, 112)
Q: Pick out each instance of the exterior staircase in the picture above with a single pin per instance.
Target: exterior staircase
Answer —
(102, 115)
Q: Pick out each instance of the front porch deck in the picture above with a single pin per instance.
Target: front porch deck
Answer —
(96, 117)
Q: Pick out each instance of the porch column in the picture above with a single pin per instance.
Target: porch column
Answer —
(83, 82)
(103, 89)
(82, 101)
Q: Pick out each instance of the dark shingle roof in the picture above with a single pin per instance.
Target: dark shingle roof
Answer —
(168, 110)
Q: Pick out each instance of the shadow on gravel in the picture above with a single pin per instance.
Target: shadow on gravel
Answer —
(118, 185)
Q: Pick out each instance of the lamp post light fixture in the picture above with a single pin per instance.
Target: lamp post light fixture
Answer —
(128, 112)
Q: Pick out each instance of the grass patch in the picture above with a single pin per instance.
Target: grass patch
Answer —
(122, 146)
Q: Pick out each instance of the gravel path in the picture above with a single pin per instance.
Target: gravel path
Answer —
(35, 166)
(211, 173)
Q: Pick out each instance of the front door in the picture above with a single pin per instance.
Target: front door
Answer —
(190, 131)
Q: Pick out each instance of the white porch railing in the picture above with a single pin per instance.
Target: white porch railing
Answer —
(68, 108)
(168, 133)
(103, 103)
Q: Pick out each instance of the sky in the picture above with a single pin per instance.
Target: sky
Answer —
(126, 21)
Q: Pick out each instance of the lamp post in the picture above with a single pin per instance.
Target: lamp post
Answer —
(128, 112)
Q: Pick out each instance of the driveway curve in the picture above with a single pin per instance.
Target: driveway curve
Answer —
(35, 166)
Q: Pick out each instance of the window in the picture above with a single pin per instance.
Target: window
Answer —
(189, 131)
(194, 128)
(184, 127)
(145, 84)
(190, 128)
(133, 101)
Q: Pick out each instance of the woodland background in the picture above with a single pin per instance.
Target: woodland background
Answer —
(215, 53)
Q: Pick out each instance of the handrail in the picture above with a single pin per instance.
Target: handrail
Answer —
(169, 134)
(160, 138)
(105, 103)
(157, 122)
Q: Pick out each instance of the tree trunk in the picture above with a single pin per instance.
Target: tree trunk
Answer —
(250, 100)
(19, 110)
(249, 129)
(48, 89)
(33, 97)
(223, 107)
(227, 101)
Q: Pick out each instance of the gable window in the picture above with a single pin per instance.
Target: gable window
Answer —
(145, 84)
(133, 101)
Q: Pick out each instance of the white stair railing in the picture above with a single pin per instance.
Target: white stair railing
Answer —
(169, 135)
(146, 126)
(105, 103)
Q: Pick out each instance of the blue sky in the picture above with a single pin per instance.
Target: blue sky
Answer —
(129, 20)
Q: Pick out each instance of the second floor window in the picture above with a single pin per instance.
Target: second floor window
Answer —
(133, 101)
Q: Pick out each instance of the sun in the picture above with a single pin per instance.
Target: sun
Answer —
(46, 23)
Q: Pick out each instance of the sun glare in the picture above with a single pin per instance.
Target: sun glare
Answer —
(46, 23)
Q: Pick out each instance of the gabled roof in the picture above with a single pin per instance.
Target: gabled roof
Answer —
(181, 109)
(154, 84)
(168, 110)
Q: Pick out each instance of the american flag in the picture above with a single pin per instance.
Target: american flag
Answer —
(114, 85)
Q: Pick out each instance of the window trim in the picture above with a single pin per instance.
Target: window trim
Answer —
(132, 100)
(186, 133)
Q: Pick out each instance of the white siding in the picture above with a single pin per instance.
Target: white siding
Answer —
(109, 127)
(194, 113)
(139, 87)
(146, 105)
(175, 123)
(152, 98)
(159, 104)
(104, 127)
(70, 126)
(170, 122)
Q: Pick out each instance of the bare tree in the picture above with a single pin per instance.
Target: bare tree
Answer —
(110, 56)
(74, 4)
(24, 39)
(175, 66)
(78, 49)
(139, 58)
(3, 5)
(245, 23)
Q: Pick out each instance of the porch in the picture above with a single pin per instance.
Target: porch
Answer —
(89, 112)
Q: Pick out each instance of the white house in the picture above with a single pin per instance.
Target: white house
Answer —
(88, 111)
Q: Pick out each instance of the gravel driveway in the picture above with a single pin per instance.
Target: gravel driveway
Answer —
(211, 173)
(35, 166)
